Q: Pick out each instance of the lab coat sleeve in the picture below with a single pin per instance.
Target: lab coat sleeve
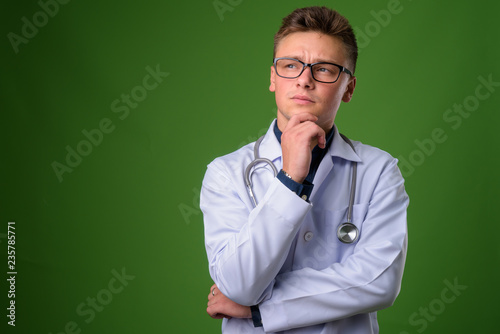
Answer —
(366, 281)
(246, 248)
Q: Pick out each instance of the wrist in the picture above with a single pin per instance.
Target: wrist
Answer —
(294, 178)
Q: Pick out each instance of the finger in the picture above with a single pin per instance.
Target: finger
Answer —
(300, 118)
(215, 315)
(318, 136)
(212, 291)
(210, 296)
(219, 316)
(322, 139)
(314, 133)
(213, 301)
(212, 313)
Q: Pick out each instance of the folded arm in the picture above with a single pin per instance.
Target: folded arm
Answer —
(246, 248)
(368, 280)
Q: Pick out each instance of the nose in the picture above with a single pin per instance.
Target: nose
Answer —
(305, 79)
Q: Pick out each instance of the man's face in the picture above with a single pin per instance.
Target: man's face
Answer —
(304, 94)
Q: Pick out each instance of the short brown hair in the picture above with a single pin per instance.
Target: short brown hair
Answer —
(323, 20)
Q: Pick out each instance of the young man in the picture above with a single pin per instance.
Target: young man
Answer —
(284, 262)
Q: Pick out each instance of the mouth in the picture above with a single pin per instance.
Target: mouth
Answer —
(302, 99)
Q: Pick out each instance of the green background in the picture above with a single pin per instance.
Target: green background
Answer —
(132, 202)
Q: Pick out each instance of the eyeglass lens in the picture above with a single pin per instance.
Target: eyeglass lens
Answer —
(289, 68)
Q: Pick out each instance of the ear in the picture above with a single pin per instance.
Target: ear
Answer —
(272, 86)
(349, 90)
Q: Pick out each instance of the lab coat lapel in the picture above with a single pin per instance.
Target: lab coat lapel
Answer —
(338, 148)
(270, 147)
(324, 168)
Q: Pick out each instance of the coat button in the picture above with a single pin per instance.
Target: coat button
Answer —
(308, 236)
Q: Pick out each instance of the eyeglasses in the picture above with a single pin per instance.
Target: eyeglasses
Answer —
(291, 68)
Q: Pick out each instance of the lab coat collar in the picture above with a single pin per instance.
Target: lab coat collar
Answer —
(340, 148)
(271, 148)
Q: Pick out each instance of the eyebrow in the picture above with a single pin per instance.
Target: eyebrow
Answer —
(321, 60)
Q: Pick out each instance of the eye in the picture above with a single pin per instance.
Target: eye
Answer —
(324, 69)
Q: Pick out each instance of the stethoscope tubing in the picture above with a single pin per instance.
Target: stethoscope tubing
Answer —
(248, 171)
(346, 232)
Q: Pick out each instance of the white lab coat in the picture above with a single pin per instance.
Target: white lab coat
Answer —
(284, 255)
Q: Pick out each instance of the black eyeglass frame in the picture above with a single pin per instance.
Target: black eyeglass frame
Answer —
(304, 65)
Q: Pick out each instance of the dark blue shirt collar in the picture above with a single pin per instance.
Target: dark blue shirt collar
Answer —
(317, 153)
(329, 137)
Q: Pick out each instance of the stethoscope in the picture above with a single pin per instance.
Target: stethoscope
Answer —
(346, 232)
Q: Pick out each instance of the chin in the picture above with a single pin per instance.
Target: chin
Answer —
(301, 110)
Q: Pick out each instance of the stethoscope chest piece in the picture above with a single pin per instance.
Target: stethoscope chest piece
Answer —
(348, 233)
